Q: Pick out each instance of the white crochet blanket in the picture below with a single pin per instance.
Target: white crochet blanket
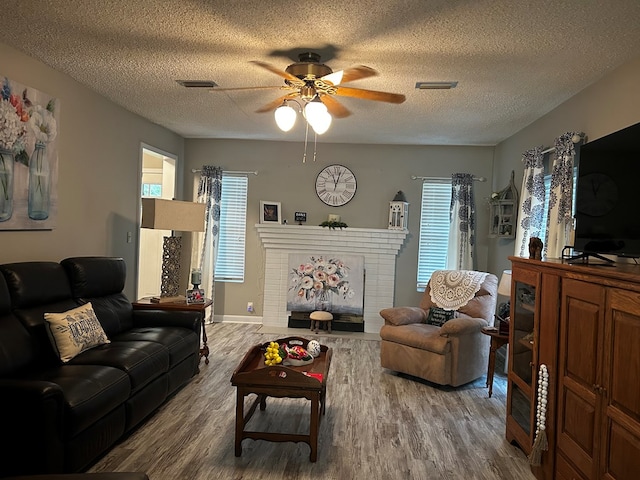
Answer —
(452, 289)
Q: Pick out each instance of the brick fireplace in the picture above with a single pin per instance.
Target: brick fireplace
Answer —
(378, 246)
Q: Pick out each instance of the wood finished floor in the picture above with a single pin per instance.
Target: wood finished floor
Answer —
(378, 425)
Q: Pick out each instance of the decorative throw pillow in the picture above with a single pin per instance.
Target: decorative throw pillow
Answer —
(74, 331)
(439, 316)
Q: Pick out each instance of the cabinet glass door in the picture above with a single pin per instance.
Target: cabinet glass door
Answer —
(523, 323)
(522, 356)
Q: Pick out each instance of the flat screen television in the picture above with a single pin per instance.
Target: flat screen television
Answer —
(607, 195)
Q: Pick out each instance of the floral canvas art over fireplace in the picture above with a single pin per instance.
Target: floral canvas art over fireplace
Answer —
(328, 282)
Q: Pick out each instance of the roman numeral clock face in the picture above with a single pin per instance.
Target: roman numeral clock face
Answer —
(336, 185)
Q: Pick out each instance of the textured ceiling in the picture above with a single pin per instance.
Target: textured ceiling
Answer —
(514, 60)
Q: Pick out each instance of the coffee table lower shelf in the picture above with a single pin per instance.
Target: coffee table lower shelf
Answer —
(253, 377)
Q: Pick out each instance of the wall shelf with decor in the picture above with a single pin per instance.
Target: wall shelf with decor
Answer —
(503, 211)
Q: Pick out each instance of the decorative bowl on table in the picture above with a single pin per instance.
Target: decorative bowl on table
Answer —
(287, 353)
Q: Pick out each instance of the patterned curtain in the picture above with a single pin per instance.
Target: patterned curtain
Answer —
(559, 217)
(531, 211)
(209, 193)
(462, 216)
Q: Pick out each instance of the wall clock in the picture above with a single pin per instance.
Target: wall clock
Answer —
(336, 185)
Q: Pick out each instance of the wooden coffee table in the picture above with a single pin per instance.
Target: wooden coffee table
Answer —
(252, 376)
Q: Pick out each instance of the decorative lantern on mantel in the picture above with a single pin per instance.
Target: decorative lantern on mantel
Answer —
(399, 212)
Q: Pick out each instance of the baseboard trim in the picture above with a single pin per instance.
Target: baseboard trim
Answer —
(237, 319)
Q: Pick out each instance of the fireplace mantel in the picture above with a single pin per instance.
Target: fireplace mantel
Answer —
(378, 246)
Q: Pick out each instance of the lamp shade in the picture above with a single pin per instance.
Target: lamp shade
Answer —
(322, 123)
(504, 287)
(317, 115)
(161, 214)
(285, 117)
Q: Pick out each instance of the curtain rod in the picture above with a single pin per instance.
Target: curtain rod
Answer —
(239, 172)
(577, 138)
(476, 179)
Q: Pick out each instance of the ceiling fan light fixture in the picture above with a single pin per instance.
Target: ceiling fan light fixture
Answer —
(285, 117)
(317, 115)
(321, 123)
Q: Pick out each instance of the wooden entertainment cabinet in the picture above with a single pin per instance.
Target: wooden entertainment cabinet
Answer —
(583, 322)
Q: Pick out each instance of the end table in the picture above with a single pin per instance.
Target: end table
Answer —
(147, 304)
(497, 341)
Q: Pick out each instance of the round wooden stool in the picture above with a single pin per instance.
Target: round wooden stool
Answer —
(318, 317)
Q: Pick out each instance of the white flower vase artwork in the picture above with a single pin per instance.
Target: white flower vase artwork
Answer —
(6, 184)
(323, 300)
(39, 183)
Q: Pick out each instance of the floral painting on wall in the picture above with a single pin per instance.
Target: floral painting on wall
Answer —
(326, 282)
(28, 158)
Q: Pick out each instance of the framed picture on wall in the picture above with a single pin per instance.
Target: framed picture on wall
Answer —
(270, 212)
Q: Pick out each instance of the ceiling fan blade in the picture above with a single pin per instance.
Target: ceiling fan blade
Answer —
(356, 73)
(370, 95)
(277, 71)
(335, 108)
(219, 89)
(276, 103)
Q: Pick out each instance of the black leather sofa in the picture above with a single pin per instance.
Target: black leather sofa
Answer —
(60, 417)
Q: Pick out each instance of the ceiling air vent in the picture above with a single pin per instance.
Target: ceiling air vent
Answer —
(197, 83)
(436, 85)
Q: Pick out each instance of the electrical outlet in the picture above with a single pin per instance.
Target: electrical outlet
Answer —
(250, 307)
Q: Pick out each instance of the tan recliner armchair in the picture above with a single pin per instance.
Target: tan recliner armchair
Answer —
(452, 354)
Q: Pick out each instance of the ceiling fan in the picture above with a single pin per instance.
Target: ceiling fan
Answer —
(310, 80)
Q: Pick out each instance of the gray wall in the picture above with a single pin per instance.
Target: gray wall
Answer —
(604, 107)
(99, 158)
(99, 163)
(381, 170)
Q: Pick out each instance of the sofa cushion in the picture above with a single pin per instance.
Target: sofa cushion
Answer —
(142, 361)
(179, 341)
(114, 312)
(403, 315)
(101, 280)
(36, 288)
(36, 283)
(95, 276)
(439, 316)
(90, 392)
(418, 335)
(74, 331)
(15, 343)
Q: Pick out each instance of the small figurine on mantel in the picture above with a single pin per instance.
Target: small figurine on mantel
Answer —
(535, 248)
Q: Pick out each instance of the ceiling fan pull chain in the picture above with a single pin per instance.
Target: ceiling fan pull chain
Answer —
(306, 134)
(315, 143)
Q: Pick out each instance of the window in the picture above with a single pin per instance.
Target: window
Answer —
(233, 219)
(152, 190)
(434, 229)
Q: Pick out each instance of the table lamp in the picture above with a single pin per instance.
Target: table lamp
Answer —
(174, 215)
